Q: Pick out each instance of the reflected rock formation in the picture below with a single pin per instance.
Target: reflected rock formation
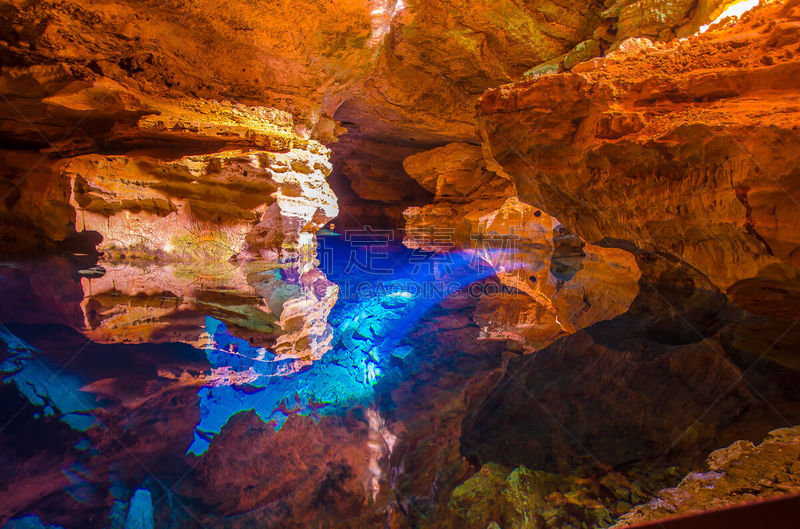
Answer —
(555, 283)
(275, 308)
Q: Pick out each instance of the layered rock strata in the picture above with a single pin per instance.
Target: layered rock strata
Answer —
(253, 189)
(683, 147)
(555, 283)
(386, 71)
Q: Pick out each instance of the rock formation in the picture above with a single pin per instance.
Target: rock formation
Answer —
(266, 201)
(384, 70)
(736, 474)
(79, 77)
(676, 148)
(621, 186)
(555, 283)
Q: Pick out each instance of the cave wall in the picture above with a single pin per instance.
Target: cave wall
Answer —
(203, 131)
(682, 147)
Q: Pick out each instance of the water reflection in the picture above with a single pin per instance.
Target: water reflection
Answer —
(272, 306)
(271, 344)
(57, 394)
(371, 321)
(172, 395)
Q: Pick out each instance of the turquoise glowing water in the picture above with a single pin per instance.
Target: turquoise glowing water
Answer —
(385, 289)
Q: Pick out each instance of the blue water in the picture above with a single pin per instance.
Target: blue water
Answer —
(46, 387)
(385, 289)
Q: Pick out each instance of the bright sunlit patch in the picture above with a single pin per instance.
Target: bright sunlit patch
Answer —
(735, 10)
(383, 13)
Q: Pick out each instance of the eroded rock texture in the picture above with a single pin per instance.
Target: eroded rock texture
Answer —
(555, 282)
(265, 198)
(683, 148)
(736, 474)
(611, 212)
(383, 71)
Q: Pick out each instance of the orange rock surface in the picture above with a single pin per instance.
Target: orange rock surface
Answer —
(237, 203)
(686, 147)
(392, 71)
(555, 283)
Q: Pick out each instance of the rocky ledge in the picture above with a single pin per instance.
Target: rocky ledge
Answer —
(684, 147)
(195, 180)
(742, 472)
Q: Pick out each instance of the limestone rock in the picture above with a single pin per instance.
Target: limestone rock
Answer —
(241, 51)
(222, 206)
(476, 211)
(685, 148)
(524, 498)
(582, 52)
(79, 77)
(662, 18)
(470, 200)
(234, 204)
(632, 46)
(740, 473)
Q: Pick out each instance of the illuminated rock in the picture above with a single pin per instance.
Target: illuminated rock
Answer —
(218, 207)
(685, 148)
(742, 472)
(159, 202)
(655, 18)
(476, 210)
(410, 68)
(94, 78)
(75, 115)
(471, 203)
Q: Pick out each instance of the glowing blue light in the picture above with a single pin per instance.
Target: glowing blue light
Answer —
(140, 512)
(29, 522)
(369, 323)
(56, 393)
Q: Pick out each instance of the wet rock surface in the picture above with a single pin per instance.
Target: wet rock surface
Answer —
(736, 474)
